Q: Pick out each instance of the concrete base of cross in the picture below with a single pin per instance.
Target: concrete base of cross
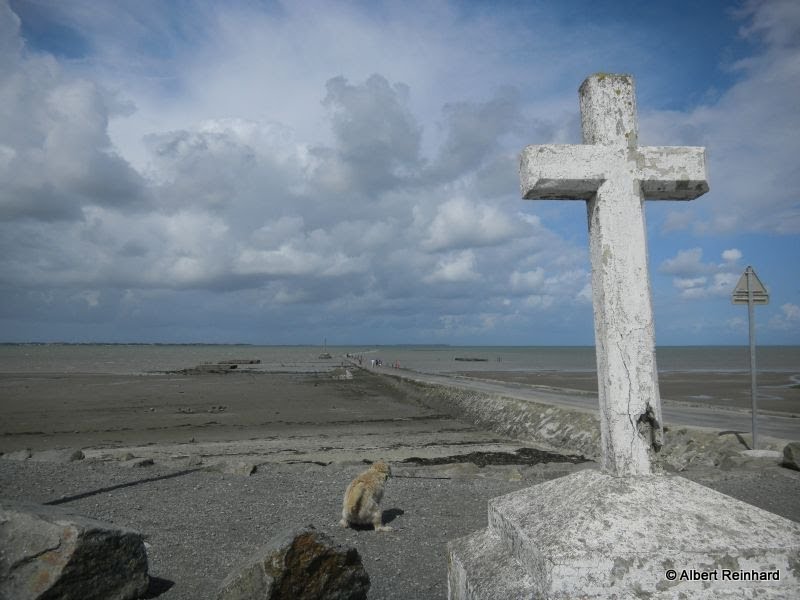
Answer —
(590, 535)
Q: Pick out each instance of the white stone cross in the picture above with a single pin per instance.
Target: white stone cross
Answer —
(614, 175)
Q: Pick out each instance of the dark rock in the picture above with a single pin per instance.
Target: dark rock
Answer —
(301, 564)
(46, 552)
(241, 468)
(137, 463)
(791, 455)
(234, 467)
(194, 460)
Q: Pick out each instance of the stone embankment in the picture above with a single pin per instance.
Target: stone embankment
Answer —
(574, 431)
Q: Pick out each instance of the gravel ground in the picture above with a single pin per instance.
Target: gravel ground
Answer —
(201, 524)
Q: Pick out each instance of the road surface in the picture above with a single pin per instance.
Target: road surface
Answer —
(772, 425)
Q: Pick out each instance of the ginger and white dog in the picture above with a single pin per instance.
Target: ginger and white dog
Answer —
(361, 504)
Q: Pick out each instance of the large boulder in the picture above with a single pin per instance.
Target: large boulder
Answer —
(791, 455)
(46, 552)
(301, 564)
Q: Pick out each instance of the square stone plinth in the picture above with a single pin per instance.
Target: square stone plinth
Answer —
(590, 535)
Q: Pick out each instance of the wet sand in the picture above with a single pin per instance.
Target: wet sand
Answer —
(777, 392)
(108, 411)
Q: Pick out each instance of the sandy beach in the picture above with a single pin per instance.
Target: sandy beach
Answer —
(308, 435)
(107, 411)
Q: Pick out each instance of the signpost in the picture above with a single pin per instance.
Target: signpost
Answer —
(751, 291)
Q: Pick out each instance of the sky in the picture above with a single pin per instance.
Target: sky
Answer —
(274, 172)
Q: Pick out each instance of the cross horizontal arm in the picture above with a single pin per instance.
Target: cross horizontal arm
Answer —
(570, 172)
(672, 172)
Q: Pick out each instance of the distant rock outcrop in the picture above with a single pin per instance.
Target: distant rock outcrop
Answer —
(59, 455)
(137, 462)
(18, 455)
(302, 564)
(46, 552)
(56, 455)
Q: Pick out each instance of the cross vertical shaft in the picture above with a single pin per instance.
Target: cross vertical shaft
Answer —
(614, 175)
(630, 405)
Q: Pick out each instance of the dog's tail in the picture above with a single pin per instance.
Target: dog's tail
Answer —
(357, 493)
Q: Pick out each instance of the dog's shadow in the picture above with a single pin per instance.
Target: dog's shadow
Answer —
(387, 516)
(158, 586)
(391, 514)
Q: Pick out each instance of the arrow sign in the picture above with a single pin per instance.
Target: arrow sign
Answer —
(740, 293)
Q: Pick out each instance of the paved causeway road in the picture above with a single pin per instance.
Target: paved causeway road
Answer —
(782, 427)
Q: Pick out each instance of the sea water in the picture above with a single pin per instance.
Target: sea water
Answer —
(153, 358)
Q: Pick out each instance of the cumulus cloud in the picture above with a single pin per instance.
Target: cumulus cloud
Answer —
(460, 223)
(788, 319)
(209, 164)
(686, 264)
(791, 311)
(685, 283)
(731, 255)
(749, 131)
(55, 152)
(473, 132)
(241, 204)
(377, 138)
(527, 281)
(539, 302)
(695, 279)
(455, 268)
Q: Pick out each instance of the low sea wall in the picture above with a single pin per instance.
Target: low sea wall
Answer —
(571, 430)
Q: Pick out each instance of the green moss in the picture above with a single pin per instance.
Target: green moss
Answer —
(602, 76)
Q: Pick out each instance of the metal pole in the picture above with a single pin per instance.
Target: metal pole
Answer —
(752, 326)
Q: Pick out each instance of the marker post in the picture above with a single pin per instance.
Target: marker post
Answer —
(751, 291)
